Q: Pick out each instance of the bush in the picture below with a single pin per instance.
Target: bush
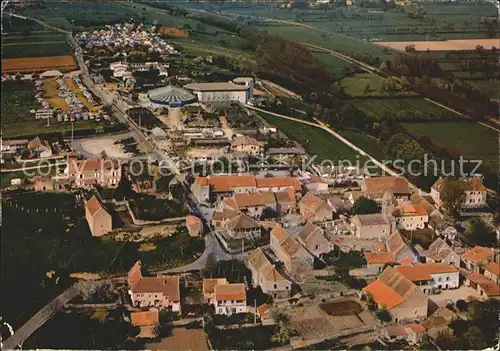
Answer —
(384, 315)
(462, 305)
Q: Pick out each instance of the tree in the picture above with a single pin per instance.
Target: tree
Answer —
(282, 335)
(475, 338)
(367, 89)
(453, 193)
(384, 315)
(479, 233)
(462, 305)
(268, 213)
(364, 205)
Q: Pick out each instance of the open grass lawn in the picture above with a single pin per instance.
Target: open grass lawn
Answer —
(469, 139)
(365, 142)
(334, 64)
(391, 106)
(315, 140)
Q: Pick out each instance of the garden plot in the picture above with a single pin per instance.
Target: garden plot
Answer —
(320, 320)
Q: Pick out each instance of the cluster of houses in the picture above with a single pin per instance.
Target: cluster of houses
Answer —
(122, 37)
(124, 70)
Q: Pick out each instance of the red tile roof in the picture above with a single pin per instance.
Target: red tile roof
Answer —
(224, 292)
(376, 187)
(493, 267)
(424, 271)
(167, 285)
(279, 233)
(409, 210)
(94, 205)
(378, 257)
(190, 220)
(210, 283)
(226, 183)
(279, 182)
(383, 294)
(490, 288)
(416, 327)
(143, 319)
(477, 254)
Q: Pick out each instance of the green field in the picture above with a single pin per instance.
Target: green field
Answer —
(469, 139)
(330, 41)
(357, 84)
(489, 87)
(364, 142)
(401, 108)
(24, 38)
(334, 64)
(315, 140)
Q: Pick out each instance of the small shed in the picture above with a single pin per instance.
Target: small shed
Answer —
(158, 133)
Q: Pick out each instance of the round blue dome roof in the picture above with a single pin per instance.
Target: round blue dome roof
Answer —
(171, 96)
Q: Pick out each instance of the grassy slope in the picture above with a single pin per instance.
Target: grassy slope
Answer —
(316, 141)
(333, 64)
(471, 140)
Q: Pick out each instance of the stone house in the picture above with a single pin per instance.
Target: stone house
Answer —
(265, 275)
(313, 239)
(374, 188)
(241, 226)
(247, 145)
(440, 252)
(410, 217)
(492, 272)
(103, 172)
(48, 184)
(477, 258)
(316, 185)
(431, 276)
(286, 202)
(147, 321)
(314, 209)
(484, 286)
(403, 299)
(296, 259)
(474, 193)
(402, 252)
(162, 292)
(98, 218)
(371, 226)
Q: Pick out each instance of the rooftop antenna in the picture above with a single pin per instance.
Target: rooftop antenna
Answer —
(4, 5)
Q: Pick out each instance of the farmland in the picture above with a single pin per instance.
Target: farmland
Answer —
(440, 45)
(22, 38)
(402, 108)
(315, 141)
(37, 64)
(471, 140)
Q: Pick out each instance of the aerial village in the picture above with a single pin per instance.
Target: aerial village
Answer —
(330, 254)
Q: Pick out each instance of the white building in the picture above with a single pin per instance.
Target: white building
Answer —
(431, 276)
(222, 91)
(230, 299)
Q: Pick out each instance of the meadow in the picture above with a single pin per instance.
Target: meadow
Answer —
(400, 107)
(316, 141)
(472, 140)
(335, 65)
